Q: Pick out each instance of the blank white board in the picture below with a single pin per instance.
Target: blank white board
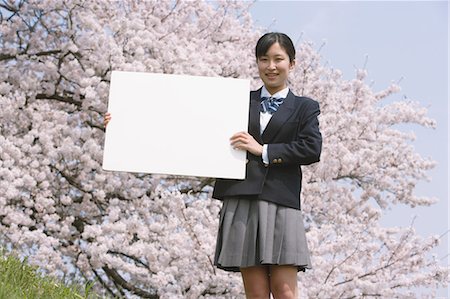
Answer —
(176, 124)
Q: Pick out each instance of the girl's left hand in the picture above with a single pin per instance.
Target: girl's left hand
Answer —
(106, 119)
(245, 141)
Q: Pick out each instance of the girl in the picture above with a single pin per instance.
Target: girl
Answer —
(261, 232)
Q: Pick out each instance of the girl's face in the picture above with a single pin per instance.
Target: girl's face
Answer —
(274, 68)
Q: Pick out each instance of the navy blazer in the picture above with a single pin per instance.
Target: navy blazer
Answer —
(293, 139)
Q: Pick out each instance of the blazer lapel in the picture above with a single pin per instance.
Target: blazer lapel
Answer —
(254, 127)
(279, 118)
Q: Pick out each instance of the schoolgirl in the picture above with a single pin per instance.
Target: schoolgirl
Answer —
(261, 231)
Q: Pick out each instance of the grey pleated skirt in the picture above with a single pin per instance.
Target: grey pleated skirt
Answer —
(255, 232)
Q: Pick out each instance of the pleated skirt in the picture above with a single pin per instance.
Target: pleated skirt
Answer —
(255, 232)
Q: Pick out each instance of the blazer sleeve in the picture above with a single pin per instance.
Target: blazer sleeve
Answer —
(306, 147)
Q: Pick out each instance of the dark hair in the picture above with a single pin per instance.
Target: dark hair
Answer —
(268, 39)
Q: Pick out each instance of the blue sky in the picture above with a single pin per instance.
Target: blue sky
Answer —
(404, 40)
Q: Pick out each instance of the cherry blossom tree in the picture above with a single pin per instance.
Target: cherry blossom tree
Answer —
(153, 236)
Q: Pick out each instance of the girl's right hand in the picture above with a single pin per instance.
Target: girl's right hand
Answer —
(245, 141)
(106, 119)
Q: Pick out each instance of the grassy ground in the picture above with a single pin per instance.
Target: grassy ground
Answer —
(19, 280)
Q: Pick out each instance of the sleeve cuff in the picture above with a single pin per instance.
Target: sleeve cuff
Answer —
(264, 156)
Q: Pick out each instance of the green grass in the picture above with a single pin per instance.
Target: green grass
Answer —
(22, 281)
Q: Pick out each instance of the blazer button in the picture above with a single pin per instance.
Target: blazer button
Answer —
(279, 160)
(275, 161)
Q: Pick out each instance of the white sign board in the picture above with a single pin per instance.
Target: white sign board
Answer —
(176, 124)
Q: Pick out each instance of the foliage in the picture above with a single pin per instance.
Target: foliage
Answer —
(20, 280)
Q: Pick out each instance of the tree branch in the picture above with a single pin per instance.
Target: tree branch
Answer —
(137, 261)
(59, 98)
(197, 189)
(43, 53)
(111, 273)
(69, 179)
(100, 127)
(102, 282)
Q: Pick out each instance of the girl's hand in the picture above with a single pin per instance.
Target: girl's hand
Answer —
(107, 119)
(245, 141)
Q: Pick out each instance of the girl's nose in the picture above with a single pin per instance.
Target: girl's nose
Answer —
(271, 65)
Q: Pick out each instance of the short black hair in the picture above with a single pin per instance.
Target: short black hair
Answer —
(268, 39)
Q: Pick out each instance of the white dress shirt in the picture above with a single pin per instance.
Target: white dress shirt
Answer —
(264, 117)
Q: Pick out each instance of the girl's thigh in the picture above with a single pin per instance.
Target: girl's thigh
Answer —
(283, 281)
(256, 281)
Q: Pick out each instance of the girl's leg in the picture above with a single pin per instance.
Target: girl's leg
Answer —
(256, 282)
(283, 282)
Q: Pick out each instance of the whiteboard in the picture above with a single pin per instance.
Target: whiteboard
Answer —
(176, 124)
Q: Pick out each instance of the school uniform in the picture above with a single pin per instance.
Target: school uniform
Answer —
(261, 221)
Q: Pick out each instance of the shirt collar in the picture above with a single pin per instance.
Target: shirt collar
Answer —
(281, 94)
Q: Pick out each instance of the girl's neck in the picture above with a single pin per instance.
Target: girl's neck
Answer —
(273, 91)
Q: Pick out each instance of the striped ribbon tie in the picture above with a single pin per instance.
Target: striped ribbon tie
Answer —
(270, 105)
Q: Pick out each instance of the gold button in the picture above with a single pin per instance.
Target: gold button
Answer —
(275, 161)
(279, 160)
